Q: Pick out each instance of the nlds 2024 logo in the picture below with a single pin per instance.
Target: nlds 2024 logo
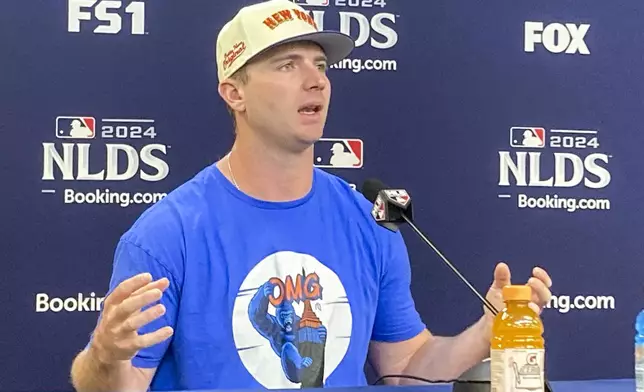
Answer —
(343, 3)
(377, 30)
(87, 153)
(106, 16)
(320, 3)
(531, 164)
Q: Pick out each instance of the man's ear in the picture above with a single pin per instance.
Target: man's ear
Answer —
(232, 93)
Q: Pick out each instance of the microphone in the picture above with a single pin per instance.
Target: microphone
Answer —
(392, 207)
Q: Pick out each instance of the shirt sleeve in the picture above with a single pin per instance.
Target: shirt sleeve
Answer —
(396, 316)
(131, 259)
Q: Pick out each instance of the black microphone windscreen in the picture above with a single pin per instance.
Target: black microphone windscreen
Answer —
(371, 188)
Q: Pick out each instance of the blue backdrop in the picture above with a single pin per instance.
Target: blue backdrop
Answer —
(515, 126)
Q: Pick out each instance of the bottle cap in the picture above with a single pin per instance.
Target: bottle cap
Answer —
(517, 293)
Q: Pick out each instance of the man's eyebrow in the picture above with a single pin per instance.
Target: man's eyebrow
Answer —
(277, 59)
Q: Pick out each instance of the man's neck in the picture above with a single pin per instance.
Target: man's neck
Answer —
(267, 172)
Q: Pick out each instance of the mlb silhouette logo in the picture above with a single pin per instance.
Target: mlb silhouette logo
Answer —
(529, 137)
(71, 127)
(338, 153)
(311, 2)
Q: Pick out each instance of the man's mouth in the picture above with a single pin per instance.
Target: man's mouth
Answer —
(310, 109)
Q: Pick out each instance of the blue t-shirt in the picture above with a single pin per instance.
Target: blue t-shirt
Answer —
(268, 294)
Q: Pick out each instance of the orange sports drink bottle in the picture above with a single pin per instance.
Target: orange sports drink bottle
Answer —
(517, 351)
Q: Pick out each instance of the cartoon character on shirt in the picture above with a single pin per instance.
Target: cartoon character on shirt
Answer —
(297, 341)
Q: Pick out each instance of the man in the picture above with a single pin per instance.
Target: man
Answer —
(262, 271)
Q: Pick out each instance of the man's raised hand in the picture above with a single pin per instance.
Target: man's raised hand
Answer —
(116, 337)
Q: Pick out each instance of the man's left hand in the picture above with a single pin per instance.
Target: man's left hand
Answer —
(540, 283)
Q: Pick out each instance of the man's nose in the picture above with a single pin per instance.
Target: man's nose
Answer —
(315, 79)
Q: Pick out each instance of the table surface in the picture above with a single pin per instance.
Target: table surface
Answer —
(625, 385)
(620, 385)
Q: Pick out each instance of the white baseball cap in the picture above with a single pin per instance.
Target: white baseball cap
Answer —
(262, 26)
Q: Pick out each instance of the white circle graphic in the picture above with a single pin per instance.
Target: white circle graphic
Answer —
(290, 318)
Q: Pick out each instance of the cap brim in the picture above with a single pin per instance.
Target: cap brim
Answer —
(336, 45)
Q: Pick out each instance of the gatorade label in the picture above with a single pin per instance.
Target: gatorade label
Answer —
(514, 370)
(639, 368)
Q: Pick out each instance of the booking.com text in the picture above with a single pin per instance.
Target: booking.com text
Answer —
(360, 65)
(566, 303)
(555, 202)
(105, 196)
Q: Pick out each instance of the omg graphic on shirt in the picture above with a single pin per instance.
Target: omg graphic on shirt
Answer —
(291, 321)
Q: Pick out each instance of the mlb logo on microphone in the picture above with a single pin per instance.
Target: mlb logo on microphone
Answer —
(311, 2)
(338, 153)
(378, 209)
(527, 137)
(398, 196)
(73, 127)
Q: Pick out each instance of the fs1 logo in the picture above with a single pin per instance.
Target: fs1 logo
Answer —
(565, 169)
(556, 37)
(338, 153)
(106, 11)
(116, 162)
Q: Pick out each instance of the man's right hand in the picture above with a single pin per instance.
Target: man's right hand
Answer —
(116, 337)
